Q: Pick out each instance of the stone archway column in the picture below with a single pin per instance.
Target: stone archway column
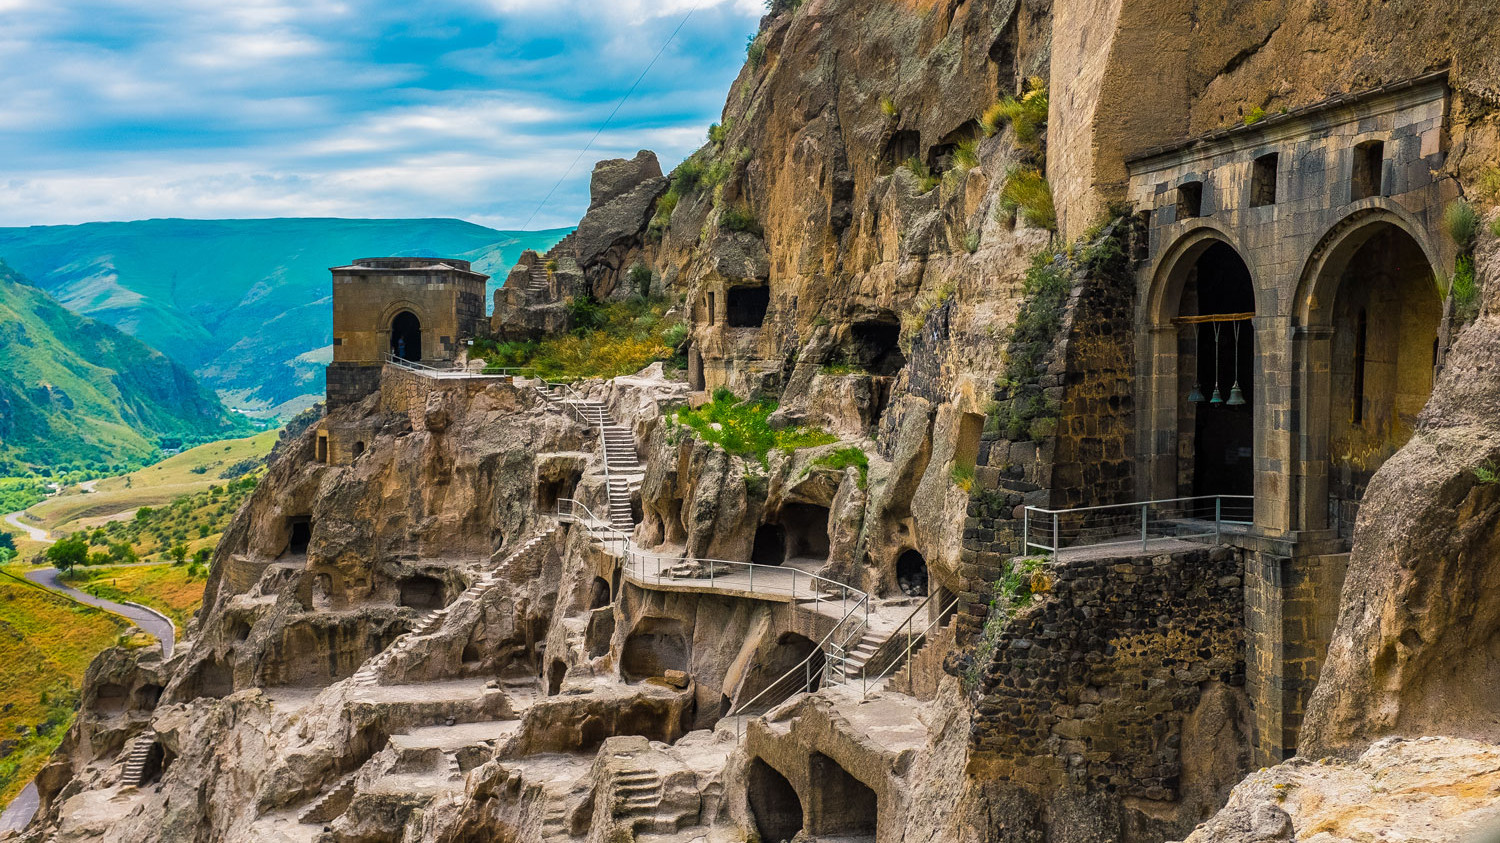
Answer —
(1273, 424)
(1313, 350)
(1159, 439)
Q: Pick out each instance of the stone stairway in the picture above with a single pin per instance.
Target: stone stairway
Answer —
(331, 804)
(555, 821)
(538, 286)
(618, 444)
(370, 672)
(139, 758)
(639, 794)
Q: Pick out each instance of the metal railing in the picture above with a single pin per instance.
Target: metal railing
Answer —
(575, 402)
(901, 646)
(1134, 524)
(428, 370)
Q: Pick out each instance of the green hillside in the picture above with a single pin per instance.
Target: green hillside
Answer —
(243, 303)
(77, 392)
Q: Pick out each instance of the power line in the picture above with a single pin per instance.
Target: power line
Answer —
(605, 125)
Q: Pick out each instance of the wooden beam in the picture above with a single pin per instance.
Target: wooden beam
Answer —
(1213, 317)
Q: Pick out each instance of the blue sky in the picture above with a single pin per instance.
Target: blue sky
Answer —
(353, 108)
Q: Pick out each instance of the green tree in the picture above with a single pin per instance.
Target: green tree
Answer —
(123, 553)
(8, 542)
(203, 555)
(6, 555)
(68, 552)
(179, 553)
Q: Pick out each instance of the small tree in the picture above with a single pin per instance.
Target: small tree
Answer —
(8, 542)
(179, 553)
(66, 553)
(203, 555)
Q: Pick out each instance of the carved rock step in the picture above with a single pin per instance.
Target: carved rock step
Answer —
(140, 756)
(330, 805)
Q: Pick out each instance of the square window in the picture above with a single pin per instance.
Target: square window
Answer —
(1263, 181)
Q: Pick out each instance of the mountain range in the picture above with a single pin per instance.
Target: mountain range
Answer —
(74, 391)
(244, 304)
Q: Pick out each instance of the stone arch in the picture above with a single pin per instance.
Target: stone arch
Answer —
(774, 804)
(1197, 446)
(1367, 321)
(385, 327)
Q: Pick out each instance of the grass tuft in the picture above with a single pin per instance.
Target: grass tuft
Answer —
(1028, 195)
(1464, 289)
(743, 428)
(844, 458)
(1026, 115)
(1461, 221)
(926, 181)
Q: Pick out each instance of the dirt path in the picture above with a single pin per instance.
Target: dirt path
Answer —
(37, 534)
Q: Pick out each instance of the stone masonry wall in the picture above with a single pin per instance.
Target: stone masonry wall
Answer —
(1091, 685)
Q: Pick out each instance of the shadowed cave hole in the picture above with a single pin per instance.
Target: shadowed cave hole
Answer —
(655, 646)
(555, 676)
(599, 594)
(875, 346)
(841, 804)
(770, 545)
(147, 696)
(299, 534)
(791, 650)
(747, 306)
(911, 574)
(806, 527)
(773, 803)
(421, 592)
(903, 145)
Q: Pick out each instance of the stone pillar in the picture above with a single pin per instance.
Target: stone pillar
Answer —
(1158, 439)
(1274, 455)
(1312, 397)
(1291, 604)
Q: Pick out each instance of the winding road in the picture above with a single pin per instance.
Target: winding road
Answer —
(23, 807)
(37, 534)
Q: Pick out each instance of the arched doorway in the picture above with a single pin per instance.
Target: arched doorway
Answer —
(406, 336)
(774, 804)
(1216, 375)
(1373, 309)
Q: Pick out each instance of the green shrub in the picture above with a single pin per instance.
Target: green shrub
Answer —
(842, 459)
(962, 476)
(741, 217)
(966, 155)
(1487, 474)
(926, 181)
(971, 242)
(1028, 195)
(627, 336)
(1254, 115)
(755, 51)
(664, 208)
(1464, 289)
(742, 428)
(718, 133)
(640, 279)
(1461, 221)
(676, 335)
(1026, 115)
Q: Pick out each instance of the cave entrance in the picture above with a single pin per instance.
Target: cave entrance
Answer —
(1216, 368)
(213, 679)
(420, 592)
(791, 650)
(902, 147)
(1381, 360)
(696, 381)
(773, 803)
(599, 594)
(770, 545)
(299, 534)
(406, 336)
(654, 646)
(746, 306)
(841, 804)
(875, 345)
(911, 574)
(550, 490)
(556, 673)
(806, 527)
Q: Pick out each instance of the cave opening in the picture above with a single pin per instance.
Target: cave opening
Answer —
(770, 545)
(420, 591)
(556, 673)
(746, 306)
(911, 574)
(773, 803)
(875, 346)
(841, 804)
(655, 646)
(902, 147)
(599, 594)
(791, 650)
(406, 336)
(550, 490)
(299, 534)
(806, 527)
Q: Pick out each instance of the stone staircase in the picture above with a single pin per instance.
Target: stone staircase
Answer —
(638, 794)
(555, 821)
(538, 288)
(331, 804)
(369, 673)
(620, 456)
(139, 758)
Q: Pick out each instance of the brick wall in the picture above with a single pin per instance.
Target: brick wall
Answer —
(1091, 685)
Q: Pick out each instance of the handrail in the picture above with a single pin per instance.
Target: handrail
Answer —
(942, 613)
(804, 666)
(452, 373)
(1132, 523)
(545, 389)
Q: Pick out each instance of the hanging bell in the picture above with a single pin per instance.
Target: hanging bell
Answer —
(1196, 396)
(1236, 396)
(1217, 399)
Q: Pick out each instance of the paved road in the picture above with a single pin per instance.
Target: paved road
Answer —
(37, 533)
(151, 622)
(21, 810)
(24, 806)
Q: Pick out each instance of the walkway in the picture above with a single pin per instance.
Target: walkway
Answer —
(37, 534)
